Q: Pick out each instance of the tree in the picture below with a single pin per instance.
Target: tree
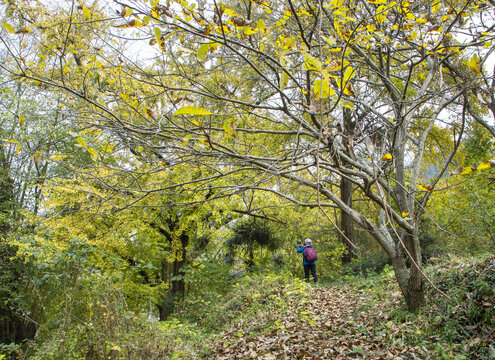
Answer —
(248, 237)
(295, 72)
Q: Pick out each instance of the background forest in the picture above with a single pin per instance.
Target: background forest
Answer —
(161, 160)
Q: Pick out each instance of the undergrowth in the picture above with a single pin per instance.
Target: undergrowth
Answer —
(458, 328)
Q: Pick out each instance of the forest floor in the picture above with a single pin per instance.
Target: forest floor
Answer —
(328, 323)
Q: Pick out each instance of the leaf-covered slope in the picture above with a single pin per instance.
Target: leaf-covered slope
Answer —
(328, 324)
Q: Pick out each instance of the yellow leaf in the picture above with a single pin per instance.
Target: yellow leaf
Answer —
(321, 88)
(348, 74)
(485, 165)
(9, 28)
(425, 188)
(284, 80)
(387, 157)
(58, 157)
(127, 12)
(248, 30)
(107, 148)
(381, 14)
(348, 104)
(230, 12)
(192, 110)
(474, 64)
(334, 65)
(436, 7)
(146, 20)
(229, 128)
(202, 52)
(81, 142)
(312, 63)
(87, 13)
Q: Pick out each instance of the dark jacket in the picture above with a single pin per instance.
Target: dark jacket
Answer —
(301, 250)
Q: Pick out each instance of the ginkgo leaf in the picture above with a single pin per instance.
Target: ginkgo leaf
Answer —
(192, 110)
(387, 157)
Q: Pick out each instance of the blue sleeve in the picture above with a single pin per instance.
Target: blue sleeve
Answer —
(300, 249)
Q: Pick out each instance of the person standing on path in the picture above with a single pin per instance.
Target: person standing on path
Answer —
(309, 265)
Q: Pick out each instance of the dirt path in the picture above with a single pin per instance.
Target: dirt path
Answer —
(329, 326)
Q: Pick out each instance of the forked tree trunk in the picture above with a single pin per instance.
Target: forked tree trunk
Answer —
(409, 276)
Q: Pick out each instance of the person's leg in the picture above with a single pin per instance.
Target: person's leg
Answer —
(313, 272)
(306, 272)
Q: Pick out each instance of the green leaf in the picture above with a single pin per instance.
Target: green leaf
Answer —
(158, 35)
(192, 110)
(202, 52)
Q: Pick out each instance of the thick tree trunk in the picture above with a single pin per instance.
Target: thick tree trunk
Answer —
(410, 280)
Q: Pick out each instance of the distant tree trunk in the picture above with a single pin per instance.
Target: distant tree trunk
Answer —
(346, 222)
(14, 327)
(177, 282)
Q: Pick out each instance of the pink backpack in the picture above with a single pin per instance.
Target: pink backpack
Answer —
(310, 254)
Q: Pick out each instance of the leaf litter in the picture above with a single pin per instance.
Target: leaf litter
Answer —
(327, 323)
